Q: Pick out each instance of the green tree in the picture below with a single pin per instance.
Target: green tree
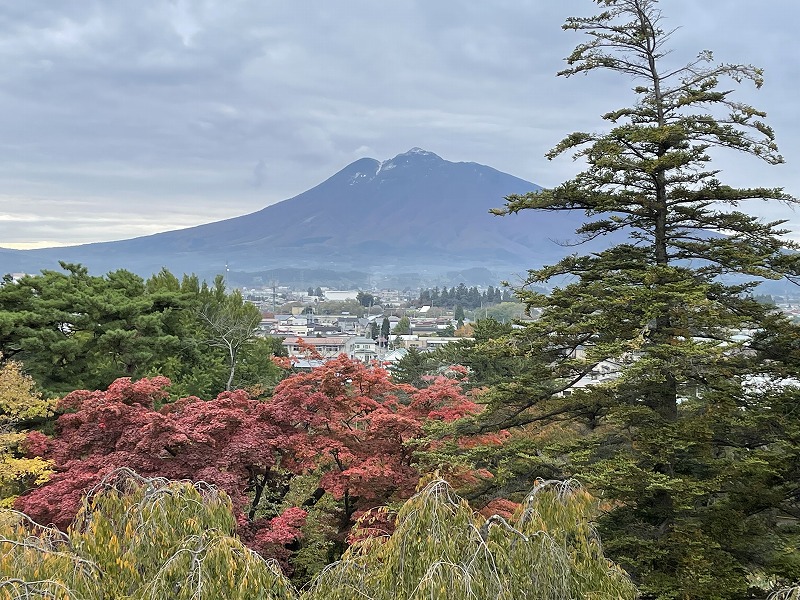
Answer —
(231, 324)
(403, 326)
(505, 312)
(137, 538)
(385, 325)
(412, 367)
(458, 315)
(441, 550)
(74, 330)
(665, 310)
(151, 538)
(367, 299)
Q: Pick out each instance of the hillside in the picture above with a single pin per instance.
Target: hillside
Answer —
(414, 213)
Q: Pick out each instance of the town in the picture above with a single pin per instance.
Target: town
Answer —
(318, 324)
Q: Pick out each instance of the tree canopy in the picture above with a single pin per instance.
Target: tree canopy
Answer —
(299, 468)
(151, 538)
(651, 368)
(21, 408)
(73, 330)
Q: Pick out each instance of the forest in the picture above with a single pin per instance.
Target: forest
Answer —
(153, 447)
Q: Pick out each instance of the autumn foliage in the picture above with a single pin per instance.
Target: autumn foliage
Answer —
(344, 425)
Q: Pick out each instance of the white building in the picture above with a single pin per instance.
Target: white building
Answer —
(362, 348)
(340, 295)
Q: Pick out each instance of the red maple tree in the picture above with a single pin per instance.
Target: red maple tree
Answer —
(353, 422)
(346, 421)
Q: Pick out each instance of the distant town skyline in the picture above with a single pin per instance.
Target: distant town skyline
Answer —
(126, 119)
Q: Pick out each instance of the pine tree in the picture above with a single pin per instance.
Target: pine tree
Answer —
(666, 310)
(459, 314)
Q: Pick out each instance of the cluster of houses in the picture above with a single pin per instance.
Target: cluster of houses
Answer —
(332, 335)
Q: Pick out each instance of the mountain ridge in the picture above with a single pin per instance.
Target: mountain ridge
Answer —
(414, 212)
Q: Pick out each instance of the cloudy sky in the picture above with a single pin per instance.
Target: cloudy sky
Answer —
(120, 119)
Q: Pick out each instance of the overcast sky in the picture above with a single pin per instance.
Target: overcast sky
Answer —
(122, 119)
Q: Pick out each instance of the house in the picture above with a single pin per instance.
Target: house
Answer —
(362, 348)
(437, 342)
(327, 347)
(406, 341)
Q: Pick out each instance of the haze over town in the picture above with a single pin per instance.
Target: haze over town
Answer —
(123, 120)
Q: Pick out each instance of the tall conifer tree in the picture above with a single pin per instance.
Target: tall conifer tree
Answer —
(677, 436)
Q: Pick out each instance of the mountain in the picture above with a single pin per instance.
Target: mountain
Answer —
(414, 213)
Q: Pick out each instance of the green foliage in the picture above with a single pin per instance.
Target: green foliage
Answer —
(385, 329)
(441, 550)
(73, 330)
(137, 538)
(651, 372)
(230, 324)
(505, 312)
(462, 296)
(458, 314)
(403, 326)
(367, 299)
(485, 356)
(412, 368)
(337, 307)
(149, 539)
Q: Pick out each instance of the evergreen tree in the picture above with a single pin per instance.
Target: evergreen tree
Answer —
(663, 435)
(74, 330)
(367, 299)
(460, 294)
(411, 368)
(459, 315)
(385, 327)
(403, 326)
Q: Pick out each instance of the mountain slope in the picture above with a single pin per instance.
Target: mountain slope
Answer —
(414, 212)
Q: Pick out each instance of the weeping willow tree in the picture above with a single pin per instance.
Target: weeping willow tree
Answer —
(150, 539)
(441, 549)
(145, 539)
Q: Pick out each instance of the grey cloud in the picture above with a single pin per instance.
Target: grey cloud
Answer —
(225, 107)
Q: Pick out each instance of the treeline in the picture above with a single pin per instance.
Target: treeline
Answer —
(468, 298)
(73, 330)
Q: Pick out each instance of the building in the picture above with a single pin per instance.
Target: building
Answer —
(362, 348)
(327, 347)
